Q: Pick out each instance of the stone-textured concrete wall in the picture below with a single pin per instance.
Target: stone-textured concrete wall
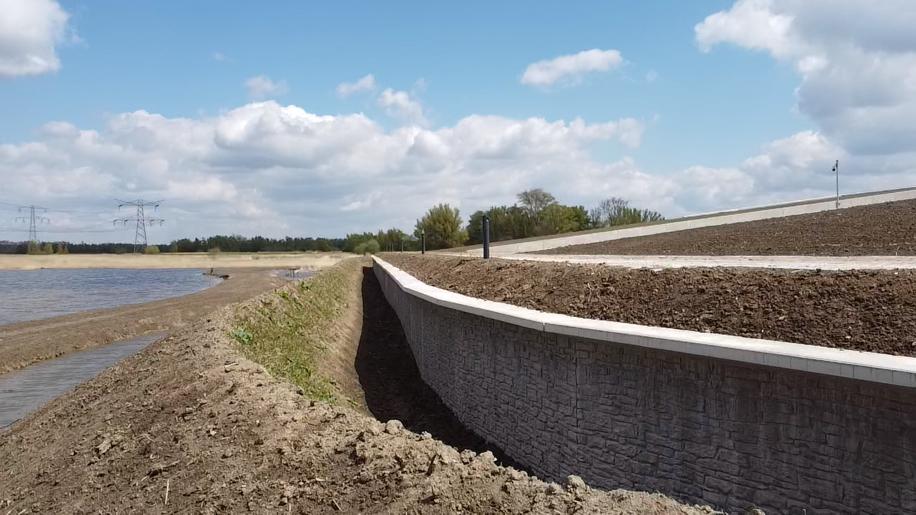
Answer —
(699, 429)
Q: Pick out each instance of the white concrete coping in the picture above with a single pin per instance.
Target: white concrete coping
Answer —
(865, 366)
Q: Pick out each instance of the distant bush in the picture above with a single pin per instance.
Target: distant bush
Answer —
(368, 247)
(442, 227)
(617, 211)
(151, 249)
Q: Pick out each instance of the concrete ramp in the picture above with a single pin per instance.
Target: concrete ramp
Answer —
(693, 222)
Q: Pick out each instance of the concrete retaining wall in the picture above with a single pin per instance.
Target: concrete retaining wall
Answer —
(728, 421)
(703, 220)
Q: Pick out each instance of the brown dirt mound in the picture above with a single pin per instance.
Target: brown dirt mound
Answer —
(861, 310)
(189, 425)
(878, 230)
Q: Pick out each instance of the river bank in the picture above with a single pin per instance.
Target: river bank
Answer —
(24, 343)
(306, 260)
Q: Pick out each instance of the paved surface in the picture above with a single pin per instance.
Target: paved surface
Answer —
(694, 222)
(784, 262)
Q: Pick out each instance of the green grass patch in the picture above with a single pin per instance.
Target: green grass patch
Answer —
(289, 330)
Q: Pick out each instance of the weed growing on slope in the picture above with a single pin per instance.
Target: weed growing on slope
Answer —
(287, 331)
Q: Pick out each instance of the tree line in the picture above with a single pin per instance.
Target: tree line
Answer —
(535, 213)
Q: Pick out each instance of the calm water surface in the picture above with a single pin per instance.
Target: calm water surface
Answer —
(38, 294)
(26, 390)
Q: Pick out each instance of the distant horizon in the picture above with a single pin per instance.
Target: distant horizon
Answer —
(244, 122)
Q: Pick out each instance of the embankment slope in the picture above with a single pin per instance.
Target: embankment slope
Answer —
(877, 230)
(191, 424)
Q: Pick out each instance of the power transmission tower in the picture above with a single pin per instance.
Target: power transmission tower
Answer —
(140, 240)
(34, 219)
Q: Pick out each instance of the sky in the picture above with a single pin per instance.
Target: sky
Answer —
(307, 119)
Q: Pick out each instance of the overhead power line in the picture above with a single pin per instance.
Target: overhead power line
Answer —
(34, 218)
(141, 220)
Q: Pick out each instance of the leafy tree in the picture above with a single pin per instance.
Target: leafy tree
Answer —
(442, 225)
(535, 201)
(61, 248)
(367, 247)
(617, 211)
(47, 248)
(151, 249)
(557, 218)
(506, 223)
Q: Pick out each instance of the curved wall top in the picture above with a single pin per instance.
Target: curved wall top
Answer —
(850, 364)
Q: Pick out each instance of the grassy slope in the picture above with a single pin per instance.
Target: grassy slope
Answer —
(288, 331)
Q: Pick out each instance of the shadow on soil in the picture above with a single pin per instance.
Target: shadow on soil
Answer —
(391, 381)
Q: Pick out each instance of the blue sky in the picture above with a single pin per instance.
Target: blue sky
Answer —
(730, 100)
(158, 56)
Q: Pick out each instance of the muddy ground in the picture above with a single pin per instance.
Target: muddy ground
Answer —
(190, 425)
(28, 342)
(862, 310)
(878, 230)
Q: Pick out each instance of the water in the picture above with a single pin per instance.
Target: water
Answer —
(26, 390)
(39, 294)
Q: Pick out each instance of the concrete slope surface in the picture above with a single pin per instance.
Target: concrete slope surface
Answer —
(694, 222)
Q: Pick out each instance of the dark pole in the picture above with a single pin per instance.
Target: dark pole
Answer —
(422, 242)
(486, 237)
(836, 168)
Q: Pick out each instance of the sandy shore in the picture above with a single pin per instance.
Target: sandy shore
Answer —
(307, 260)
(25, 343)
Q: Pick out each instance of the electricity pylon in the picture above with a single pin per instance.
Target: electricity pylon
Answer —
(34, 219)
(140, 240)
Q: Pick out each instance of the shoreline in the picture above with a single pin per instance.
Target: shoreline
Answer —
(25, 343)
(204, 261)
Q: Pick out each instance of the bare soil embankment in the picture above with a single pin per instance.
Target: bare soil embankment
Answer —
(191, 425)
(860, 310)
(878, 230)
(28, 342)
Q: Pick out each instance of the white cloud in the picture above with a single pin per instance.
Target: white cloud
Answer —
(401, 105)
(30, 31)
(751, 24)
(272, 169)
(856, 60)
(219, 57)
(571, 68)
(261, 86)
(265, 168)
(791, 168)
(365, 83)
